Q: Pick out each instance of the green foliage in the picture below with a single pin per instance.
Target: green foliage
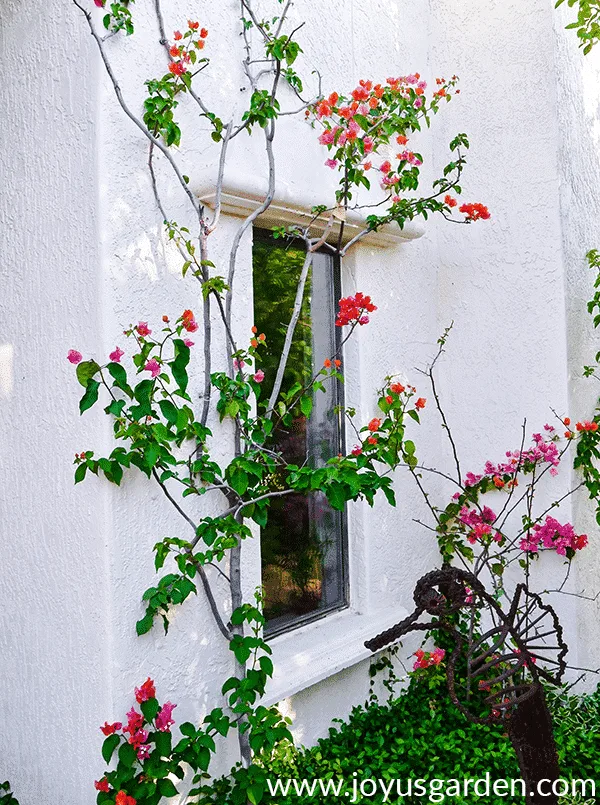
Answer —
(587, 24)
(6, 795)
(419, 734)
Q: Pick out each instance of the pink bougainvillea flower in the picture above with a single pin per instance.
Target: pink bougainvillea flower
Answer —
(238, 364)
(143, 329)
(153, 366)
(74, 356)
(164, 721)
(102, 785)
(145, 692)
(331, 163)
(99, 3)
(188, 343)
(136, 739)
(259, 376)
(116, 355)
(143, 751)
(191, 325)
(110, 729)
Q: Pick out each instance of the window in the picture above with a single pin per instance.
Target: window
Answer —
(303, 545)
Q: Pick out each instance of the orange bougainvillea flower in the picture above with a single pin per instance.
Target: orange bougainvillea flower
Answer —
(397, 388)
(337, 362)
(420, 403)
(125, 799)
(374, 425)
(327, 363)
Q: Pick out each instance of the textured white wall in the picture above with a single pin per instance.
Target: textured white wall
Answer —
(83, 256)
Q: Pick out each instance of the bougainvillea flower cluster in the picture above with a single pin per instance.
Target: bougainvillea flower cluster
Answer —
(544, 451)
(138, 732)
(425, 659)
(555, 536)
(354, 310)
(357, 128)
(479, 523)
(185, 53)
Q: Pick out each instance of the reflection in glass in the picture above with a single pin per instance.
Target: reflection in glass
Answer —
(302, 544)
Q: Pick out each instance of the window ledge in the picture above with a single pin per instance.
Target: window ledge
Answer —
(293, 206)
(312, 653)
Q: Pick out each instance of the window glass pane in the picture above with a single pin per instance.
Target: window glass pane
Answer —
(302, 545)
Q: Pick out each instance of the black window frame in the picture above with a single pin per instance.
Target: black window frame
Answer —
(284, 624)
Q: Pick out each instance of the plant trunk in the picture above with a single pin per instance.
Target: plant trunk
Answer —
(532, 737)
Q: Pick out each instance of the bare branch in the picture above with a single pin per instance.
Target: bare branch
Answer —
(129, 113)
(290, 334)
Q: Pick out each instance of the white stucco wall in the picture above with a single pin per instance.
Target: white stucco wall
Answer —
(82, 256)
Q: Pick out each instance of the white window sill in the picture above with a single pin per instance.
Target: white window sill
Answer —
(244, 194)
(312, 653)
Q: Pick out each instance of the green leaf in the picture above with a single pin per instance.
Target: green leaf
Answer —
(169, 411)
(85, 370)
(118, 373)
(150, 709)
(179, 364)
(80, 473)
(167, 788)
(163, 743)
(109, 746)
(145, 624)
(239, 480)
(306, 406)
(90, 397)
(127, 754)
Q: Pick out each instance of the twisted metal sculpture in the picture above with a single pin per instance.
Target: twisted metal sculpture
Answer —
(506, 664)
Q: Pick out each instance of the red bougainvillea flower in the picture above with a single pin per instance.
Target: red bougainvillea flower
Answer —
(397, 388)
(164, 720)
(145, 692)
(420, 403)
(566, 421)
(353, 309)
(374, 425)
(74, 357)
(193, 25)
(203, 33)
(259, 376)
(153, 366)
(177, 68)
(357, 450)
(475, 212)
(587, 426)
(135, 721)
(110, 729)
(189, 322)
(175, 51)
(124, 799)
(450, 201)
(372, 439)
(116, 355)
(426, 659)
(143, 329)
(102, 785)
